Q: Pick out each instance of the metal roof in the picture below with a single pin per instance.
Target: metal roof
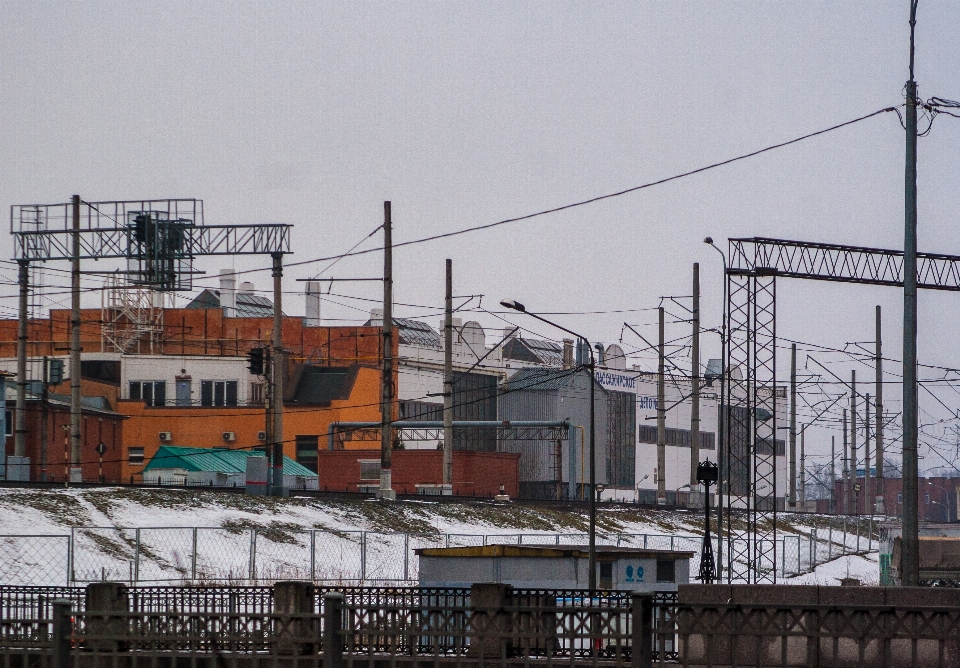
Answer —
(213, 459)
(249, 305)
(553, 552)
(534, 350)
(541, 379)
(414, 332)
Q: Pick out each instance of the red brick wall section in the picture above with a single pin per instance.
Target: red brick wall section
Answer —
(477, 474)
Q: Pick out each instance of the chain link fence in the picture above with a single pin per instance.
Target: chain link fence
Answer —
(244, 554)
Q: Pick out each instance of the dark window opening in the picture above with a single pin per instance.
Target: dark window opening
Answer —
(606, 575)
(666, 570)
(105, 371)
(218, 393)
(152, 393)
(307, 451)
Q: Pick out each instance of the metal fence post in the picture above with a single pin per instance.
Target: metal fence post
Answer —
(363, 556)
(333, 606)
(253, 555)
(193, 564)
(313, 555)
(844, 535)
(70, 558)
(62, 612)
(406, 557)
(136, 555)
(641, 608)
(644, 541)
(858, 533)
(830, 544)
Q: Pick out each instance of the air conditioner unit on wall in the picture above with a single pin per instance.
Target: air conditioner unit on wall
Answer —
(165, 437)
(261, 436)
(229, 436)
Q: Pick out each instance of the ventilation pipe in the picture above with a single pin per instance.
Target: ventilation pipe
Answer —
(568, 353)
(601, 354)
(313, 304)
(228, 292)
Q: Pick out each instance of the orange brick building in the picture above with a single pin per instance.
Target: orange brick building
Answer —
(333, 374)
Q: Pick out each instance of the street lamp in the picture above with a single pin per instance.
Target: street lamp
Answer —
(638, 486)
(723, 471)
(592, 579)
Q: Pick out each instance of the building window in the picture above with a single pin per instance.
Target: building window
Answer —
(369, 469)
(135, 455)
(928, 499)
(218, 393)
(307, 451)
(150, 392)
(8, 421)
(256, 394)
(899, 497)
(666, 570)
(606, 575)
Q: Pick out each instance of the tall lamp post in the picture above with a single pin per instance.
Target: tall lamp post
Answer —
(517, 306)
(723, 472)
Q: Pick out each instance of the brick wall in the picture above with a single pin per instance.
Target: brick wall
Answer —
(474, 473)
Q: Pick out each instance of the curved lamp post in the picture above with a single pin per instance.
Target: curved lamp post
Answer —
(592, 578)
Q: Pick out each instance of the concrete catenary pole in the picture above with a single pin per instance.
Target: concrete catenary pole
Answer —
(76, 474)
(793, 425)
(846, 467)
(853, 438)
(833, 475)
(910, 563)
(386, 396)
(867, 501)
(695, 381)
(878, 401)
(661, 420)
(20, 428)
(277, 370)
(448, 383)
(803, 468)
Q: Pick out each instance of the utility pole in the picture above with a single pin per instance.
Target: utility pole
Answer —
(846, 468)
(833, 475)
(277, 369)
(695, 381)
(910, 563)
(20, 429)
(448, 384)
(866, 458)
(803, 468)
(853, 434)
(661, 421)
(386, 397)
(793, 425)
(44, 396)
(76, 473)
(878, 363)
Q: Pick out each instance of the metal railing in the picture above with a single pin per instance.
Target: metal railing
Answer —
(408, 627)
(254, 554)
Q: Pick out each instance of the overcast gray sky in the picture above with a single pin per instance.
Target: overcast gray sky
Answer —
(466, 113)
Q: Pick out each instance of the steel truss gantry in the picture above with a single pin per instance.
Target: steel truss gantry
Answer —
(429, 430)
(750, 415)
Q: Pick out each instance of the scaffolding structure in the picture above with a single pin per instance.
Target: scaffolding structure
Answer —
(131, 317)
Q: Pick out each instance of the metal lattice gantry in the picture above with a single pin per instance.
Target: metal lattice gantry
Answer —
(750, 416)
(750, 423)
(429, 430)
(159, 239)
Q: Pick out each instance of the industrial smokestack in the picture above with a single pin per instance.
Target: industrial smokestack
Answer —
(568, 353)
(312, 312)
(228, 292)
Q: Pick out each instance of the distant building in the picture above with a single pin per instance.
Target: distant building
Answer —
(217, 467)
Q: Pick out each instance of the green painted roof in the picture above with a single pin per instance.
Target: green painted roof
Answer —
(212, 459)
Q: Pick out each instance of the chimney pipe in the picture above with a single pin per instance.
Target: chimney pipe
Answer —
(568, 353)
(312, 312)
(228, 292)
